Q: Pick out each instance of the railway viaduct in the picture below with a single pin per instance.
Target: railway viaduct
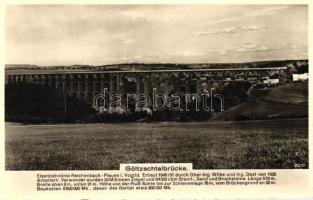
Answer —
(85, 84)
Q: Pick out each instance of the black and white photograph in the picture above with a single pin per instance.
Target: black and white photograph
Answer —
(90, 87)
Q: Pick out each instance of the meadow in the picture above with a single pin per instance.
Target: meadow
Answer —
(269, 144)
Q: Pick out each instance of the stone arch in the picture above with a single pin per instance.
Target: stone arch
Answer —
(82, 86)
(172, 82)
(39, 78)
(228, 74)
(193, 82)
(182, 76)
(96, 77)
(53, 78)
(216, 75)
(129, 83)
(141, 82)
(203, 76)
(46, 79)
(172, 79)
(75, 77)
(89, 77)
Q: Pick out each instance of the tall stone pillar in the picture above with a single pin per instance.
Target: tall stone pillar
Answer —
(63, 78)
(146, 84)
(111, 84)
(138, 84)
(49, 80)
(71, 85)
(198, 86)
(94, 87)
(188, 84)
(86, 87)
(78, 87)
(43, 79)
(118, 83)
(101, 83)
(28, 78)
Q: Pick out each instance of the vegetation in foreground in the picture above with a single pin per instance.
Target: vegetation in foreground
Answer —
(244, 145)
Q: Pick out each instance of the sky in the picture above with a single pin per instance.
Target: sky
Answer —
(110, 34)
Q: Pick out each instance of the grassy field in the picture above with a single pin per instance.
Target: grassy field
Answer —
(211, 145)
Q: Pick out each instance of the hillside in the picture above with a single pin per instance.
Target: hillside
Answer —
(285, 101)
(294, 93)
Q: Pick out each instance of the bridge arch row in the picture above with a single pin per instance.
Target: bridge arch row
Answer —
(84, 85)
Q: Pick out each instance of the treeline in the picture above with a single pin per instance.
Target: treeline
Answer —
(150, 66)
(34, 103)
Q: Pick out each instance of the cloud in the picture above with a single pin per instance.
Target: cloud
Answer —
(122, 38)
(250, 12)
(266, 11)
(249, 48)
(253, 28)
(293, 46)
(244, 48)
(217, 31)
(189, 53)
(230, 30)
